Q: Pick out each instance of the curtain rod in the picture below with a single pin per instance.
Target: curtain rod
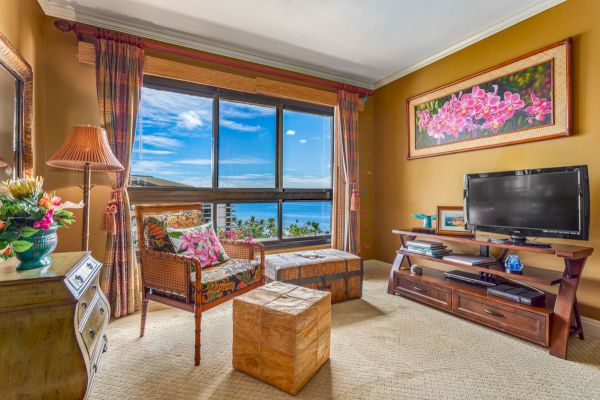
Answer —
(81, 30)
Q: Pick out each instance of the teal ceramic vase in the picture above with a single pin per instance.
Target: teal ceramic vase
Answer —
(38, 255)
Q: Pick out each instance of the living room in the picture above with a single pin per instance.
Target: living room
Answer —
(348, 171)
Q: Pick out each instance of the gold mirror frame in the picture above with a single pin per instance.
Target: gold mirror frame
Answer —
(14, 63)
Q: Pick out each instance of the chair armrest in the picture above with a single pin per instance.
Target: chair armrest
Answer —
(167, 271)
(246, 250)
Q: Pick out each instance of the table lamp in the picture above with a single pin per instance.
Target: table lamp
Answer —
(86, 149)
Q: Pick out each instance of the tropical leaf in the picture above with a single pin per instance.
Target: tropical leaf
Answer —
(28, 232)
(20, 246)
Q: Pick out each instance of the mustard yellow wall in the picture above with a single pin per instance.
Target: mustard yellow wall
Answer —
(404, 187)
(21, 23)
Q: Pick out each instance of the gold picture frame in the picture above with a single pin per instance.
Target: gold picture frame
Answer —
(451, 221)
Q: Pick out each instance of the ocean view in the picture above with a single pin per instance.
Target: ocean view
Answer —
(301, 211)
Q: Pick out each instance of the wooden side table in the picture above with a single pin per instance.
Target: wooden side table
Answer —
(52, 328)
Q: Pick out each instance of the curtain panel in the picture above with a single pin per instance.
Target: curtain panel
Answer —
(119, 78)
(346, 219)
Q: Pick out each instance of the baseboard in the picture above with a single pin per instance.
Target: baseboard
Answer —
(591, 327)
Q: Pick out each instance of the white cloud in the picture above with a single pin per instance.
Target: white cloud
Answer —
(306, 182)
(195, 161)
(197, 182)
(302, 141)
(247, 181)
(244, 161)
(151, 167)
(243, 110)
(157, 152)
(236, 126)
(290, 132)
(160, 141)
(190, 119)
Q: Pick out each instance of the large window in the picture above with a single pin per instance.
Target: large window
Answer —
(262, 165)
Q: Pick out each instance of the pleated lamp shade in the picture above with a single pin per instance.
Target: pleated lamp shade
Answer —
(86, 144)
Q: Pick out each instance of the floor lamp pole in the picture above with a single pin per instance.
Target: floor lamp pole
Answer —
(87, 175)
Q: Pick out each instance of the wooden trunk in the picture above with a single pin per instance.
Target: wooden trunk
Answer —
(333, 270)
(281, 334)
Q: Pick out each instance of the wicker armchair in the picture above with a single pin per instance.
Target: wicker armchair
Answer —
(168, 278)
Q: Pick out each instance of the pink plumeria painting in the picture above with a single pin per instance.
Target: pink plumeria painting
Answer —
(499, 108)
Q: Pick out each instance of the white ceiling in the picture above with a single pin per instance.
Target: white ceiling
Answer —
(363, 42)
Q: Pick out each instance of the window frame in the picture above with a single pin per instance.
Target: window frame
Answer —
(217, 195)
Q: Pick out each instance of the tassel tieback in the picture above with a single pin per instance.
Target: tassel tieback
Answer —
(109, 220)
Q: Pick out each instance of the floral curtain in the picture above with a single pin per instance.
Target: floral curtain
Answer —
(346, 223)
(119, 76)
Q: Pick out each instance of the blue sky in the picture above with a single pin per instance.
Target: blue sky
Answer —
(176, 143)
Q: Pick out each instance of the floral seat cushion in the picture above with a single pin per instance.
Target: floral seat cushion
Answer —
(226, 278)
(155, 227)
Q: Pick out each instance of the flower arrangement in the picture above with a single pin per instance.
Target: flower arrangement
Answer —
(237, 234)
(25, 210)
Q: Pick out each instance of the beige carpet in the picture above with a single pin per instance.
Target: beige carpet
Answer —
(382, 347)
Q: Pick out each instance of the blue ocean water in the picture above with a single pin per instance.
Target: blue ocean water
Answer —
(301, 211)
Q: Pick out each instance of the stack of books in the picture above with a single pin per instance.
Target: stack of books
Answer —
(427, 248)
(467, 259)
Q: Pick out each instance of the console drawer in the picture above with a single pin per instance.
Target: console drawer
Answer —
(425, 292)
(92, 328)
(86, 299)
(524, 324)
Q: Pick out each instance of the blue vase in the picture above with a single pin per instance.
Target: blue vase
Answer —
(43, 243)
(513, 264)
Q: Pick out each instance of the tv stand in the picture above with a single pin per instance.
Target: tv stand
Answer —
(550, 325)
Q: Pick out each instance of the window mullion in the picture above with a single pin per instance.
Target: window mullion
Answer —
(279, 150)
(215, 149)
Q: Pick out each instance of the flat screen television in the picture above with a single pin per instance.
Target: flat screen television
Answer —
(545, 202)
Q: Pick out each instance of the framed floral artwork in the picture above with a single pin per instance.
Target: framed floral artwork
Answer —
(522, 100)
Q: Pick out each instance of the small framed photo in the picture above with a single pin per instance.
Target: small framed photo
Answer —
(451, 221)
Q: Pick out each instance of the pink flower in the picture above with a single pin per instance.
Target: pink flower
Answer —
(424, 118)
(249, 238)
(538, 109)
(45, 222)
(494, 122)
(513, 102)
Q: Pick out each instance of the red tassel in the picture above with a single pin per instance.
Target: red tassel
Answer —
(109, 220)
(354, 200)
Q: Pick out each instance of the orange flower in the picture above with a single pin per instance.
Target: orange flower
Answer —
(50, 201)
(7, 251)
(2, 225)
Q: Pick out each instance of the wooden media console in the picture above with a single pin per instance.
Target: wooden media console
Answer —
(550, 325)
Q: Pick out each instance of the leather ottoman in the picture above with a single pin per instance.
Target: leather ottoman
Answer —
(281, 334)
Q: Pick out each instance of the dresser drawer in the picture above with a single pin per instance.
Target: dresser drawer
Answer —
(84, 271)
(425, 292)
(524, 324)
(91, 329)
(86, 299)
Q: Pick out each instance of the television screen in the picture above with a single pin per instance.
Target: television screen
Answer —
(540, 202)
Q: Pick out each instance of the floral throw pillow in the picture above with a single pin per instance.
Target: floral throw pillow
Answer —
(200, 242)
(155, 227)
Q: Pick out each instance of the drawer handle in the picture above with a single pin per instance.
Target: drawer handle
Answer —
(79, 278)
(92, 333)
(419, 289)
(94, 287)
(101, 310)
(494, 313)
(95, 368)
(83, 304)
(90, 265)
